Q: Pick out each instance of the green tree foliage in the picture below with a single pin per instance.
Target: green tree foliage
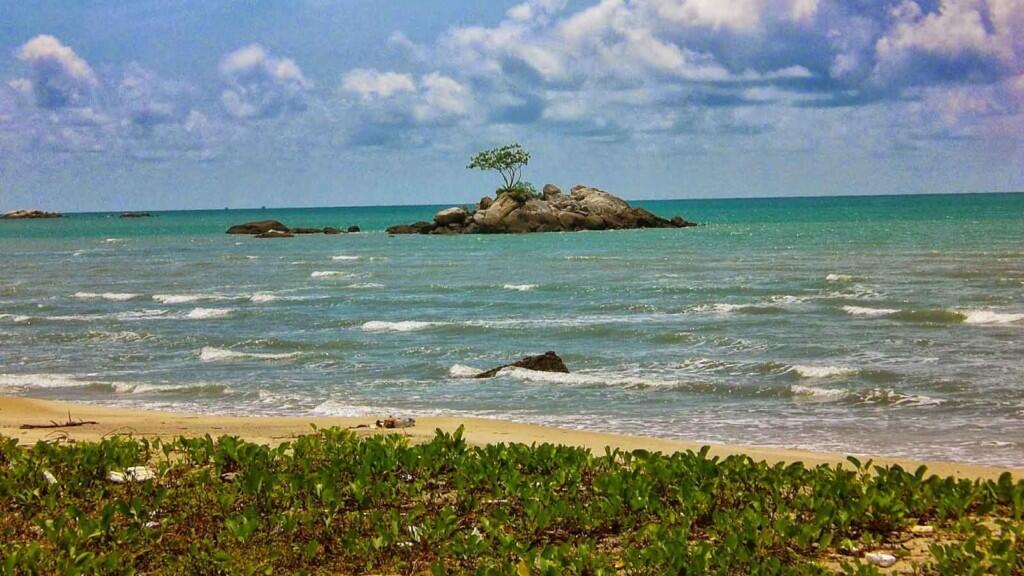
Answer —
(507, 160)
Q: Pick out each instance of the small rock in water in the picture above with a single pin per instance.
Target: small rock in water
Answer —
(546, 362)
(353, 229)
(880, 559)
(132, 474)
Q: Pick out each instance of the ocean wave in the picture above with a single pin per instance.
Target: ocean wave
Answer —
(818, 393)
(840, 278)
(345, 257)
(463, 371)
(365, 286)
(340, 409)
(591, 379)
(722, 308)
(327, 273)
(114, 241)
(520, 287)
(262, 298)
(402, 326)
(35, 381)
(208, 313)
(185, 389)
(114, 296)
(821, 371)
(186, 298)
(990, 317)
(16, 318)
(872, 312)
(213, 354)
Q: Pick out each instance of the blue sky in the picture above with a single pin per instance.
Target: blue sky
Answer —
(111, 105)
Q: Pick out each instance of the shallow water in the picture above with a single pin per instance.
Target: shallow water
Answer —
(886, 325)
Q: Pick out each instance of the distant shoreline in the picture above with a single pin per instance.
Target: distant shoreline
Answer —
(471, 201)
(15, 411)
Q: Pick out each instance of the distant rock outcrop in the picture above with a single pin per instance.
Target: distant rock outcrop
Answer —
(276, 229)
(136, 215)
(546, 362)
(585, 208)
(29, 214)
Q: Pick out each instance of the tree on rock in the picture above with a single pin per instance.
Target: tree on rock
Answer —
(509, 162)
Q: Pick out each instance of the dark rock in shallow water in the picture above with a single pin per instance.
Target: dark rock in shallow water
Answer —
(354, 229)
(136, 215)
(417, 228)
(261, 227)
(585, 208)
(546, 362)
(331, 230)
(678, 222)
(275, 234)
(305, 230)
(30, 214)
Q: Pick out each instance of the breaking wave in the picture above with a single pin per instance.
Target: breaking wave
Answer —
(822, 371)
(864, 311)
(520, 287)
(185, 298)
(403, 326)
(113, 296)
(213, 354)
(208, 313)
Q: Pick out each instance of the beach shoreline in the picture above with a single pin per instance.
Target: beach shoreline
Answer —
(16, 411)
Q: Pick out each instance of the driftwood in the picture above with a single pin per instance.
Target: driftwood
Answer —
(53, 424)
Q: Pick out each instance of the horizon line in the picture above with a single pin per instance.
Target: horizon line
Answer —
(631, 200)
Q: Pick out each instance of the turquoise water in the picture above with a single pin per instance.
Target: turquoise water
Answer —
(884, 325)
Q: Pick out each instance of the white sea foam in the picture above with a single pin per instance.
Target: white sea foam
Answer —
(30, 381)
(818, 393)
(990, 317)
(721, 308)
(365, 285)
(114, 240)
(463, 371)
(327, 273)
(185, 298)
(403, 326)
(213, 354)
(16, 318)
(262, 298)
(336, 408)
(584, 378)
(208, 313)
(520, 287)
(822, 371)
(115, 296)
(344, 257)
(840, 278)
(135, 388)
(872, 312)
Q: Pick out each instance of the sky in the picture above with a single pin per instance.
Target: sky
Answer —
(187, 104)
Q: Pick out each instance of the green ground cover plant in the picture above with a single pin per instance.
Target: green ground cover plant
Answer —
(332, 502)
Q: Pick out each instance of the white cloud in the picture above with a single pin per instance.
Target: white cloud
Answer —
(260, 85)
(442, 98)
(60, 76)
(370, 83)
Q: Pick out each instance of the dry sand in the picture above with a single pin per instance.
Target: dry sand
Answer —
(17, 411)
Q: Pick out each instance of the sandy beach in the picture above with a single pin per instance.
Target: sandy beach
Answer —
(16, 411)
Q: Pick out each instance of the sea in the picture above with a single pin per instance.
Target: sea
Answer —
(885, 325)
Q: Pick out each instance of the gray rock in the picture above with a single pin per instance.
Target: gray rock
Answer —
(30, 214)
(453, 215)
(353, 229)
(260, 227)
(551, 191)
(546, 362)
(416, 228)
(331, 230)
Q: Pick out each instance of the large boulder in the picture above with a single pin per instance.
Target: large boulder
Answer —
(485, 203)
(551, 191)
(30, 214)
(546, 362)
(261, 227)
(490, 220)
(453, 215)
